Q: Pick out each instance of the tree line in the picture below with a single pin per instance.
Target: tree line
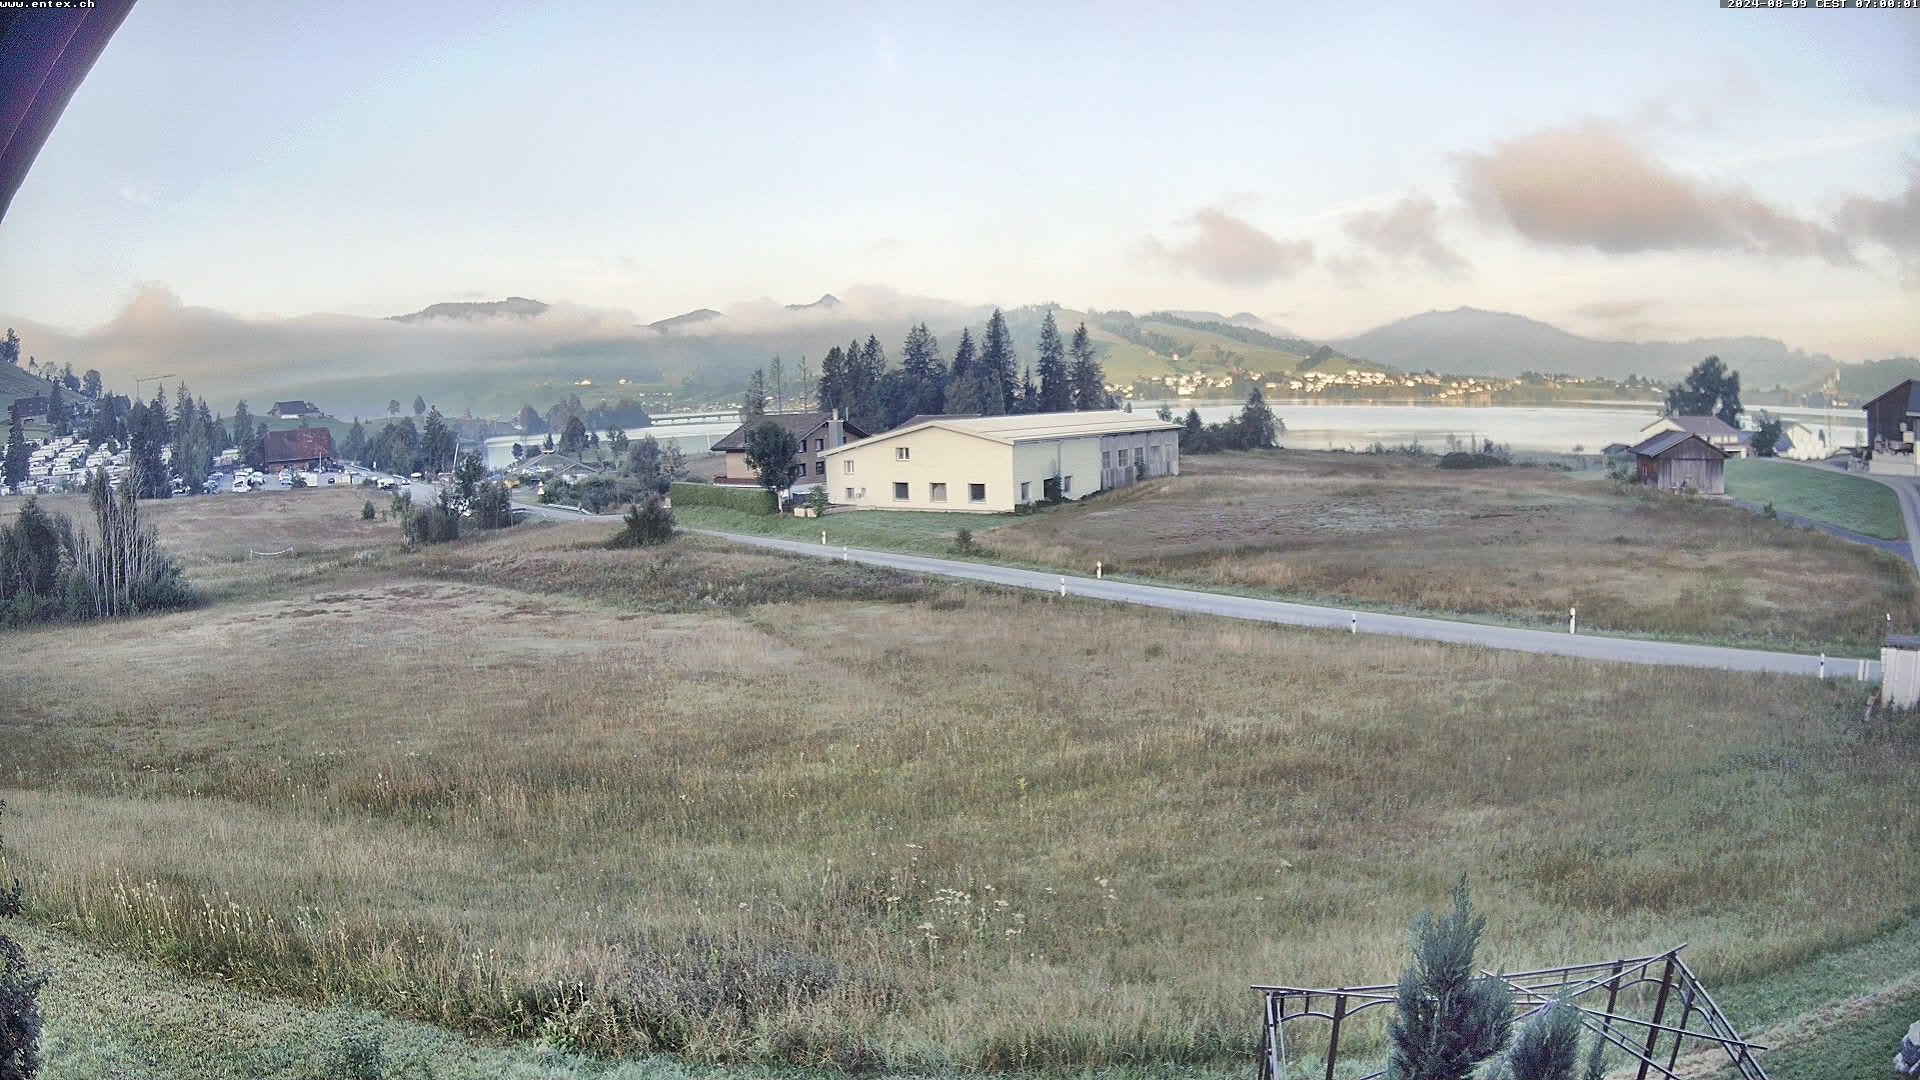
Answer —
(51, 569)
(984, 378)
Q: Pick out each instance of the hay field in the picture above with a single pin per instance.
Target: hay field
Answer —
(1519, 544)
(741, 808)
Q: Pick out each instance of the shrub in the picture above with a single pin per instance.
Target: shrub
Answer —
(19, 1014)
(963, 542)
(361, 1057)
(436, 524)
(367, 511)
(745, 500)
(492, 506)
(1461, 459)
(648, 522)
(1448, 1017)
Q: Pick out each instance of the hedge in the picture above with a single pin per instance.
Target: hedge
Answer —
(746, 500)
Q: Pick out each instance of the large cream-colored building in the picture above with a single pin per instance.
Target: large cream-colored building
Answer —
(992, 464)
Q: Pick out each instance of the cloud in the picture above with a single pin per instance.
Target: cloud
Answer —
(134, 195)
(1407, 232)
(1587, 185)
(1893, 223)
(1229, 250)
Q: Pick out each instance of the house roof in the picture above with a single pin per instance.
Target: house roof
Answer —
(1037, 427)
(1666, 441)
(293, 407)
(1911, 387)
(798, 424)
(300, 444)
(925, 417)
(1703, 426)
(1903, 641)
(550, 459)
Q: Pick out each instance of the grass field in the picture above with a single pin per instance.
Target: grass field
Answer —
(750, 809)
(1850, 502)
(1517, 545)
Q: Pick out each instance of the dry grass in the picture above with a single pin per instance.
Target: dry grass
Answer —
(636, 801)
(1520, 544)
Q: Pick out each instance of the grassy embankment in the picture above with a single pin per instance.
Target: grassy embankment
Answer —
(1518, 545)
(761, 809)
(1849, 502)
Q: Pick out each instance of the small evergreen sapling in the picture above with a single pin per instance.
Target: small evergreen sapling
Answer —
(1448, 1017)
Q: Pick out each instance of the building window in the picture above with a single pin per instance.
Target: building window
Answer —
(1106, 459)
(902, 453)
(1024, 487)
(937, 492)
(850, 495)
(976, 493)
(1123, 457)
(846, 466)
(819, 468)
(819, 444)
(1066, 485)
(900, 491)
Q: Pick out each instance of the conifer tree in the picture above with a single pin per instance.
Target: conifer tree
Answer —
(1084, 373)
(998, 357)
(57, 411)
(17, 453)
(1055, 393)
(243, 431)
(1448, 1018)
(832, 395)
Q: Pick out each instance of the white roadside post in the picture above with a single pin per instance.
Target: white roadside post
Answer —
(1863, 671)
(1063, 585)
(1823, 665)
(1573, 620)
(1099, 569)
(823, 538)
(844, 557)
(1353, 622)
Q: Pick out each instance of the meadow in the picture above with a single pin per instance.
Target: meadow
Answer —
(1850, 502)
(1390, 532)
(743, 808)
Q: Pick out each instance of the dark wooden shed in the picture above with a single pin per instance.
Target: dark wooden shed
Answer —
(1891, 418)
(1682, 461)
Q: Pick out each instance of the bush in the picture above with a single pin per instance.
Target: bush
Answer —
(436, 524)
(596, 494)
(648, 522)
(745, 500)
(19, 1014)
(492, 507)
(361, 1057)
(367, 512)
(1461, 459)
(963, 542)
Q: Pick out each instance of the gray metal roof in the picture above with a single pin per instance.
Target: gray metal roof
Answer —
(798, 424)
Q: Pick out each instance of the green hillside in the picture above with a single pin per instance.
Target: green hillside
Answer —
(16, 383)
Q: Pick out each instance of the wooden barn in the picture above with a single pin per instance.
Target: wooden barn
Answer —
(1682, 461)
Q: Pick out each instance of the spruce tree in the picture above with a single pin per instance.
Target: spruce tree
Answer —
(243, 431)
(1259, 428)
(755, 401)
(1448, 1018)
(10, 348)
(832, 394)
(17, 453)
(1085, 378)
(57, 411)
(923, 377)
(997, 356)
(1055, 393)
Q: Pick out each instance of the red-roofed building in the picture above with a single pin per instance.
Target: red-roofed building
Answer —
(301, 448)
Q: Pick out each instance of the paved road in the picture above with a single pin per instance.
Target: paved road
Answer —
(1584, 646)
(1286, 613)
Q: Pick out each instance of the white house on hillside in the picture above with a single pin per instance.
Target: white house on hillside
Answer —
(992, 464)
(1712, 430)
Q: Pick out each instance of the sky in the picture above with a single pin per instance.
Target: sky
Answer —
(1624, 170)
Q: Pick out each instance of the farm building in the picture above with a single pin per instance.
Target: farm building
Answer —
(1892, 419)
(992, 464)
(1682, 461)
(552, 463)
(293, 410)
(1711, 429)
(817, 433)
(301, 448)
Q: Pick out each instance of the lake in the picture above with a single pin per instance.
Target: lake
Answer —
(1320, 425)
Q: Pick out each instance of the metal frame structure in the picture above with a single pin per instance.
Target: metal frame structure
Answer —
(1607, 994)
